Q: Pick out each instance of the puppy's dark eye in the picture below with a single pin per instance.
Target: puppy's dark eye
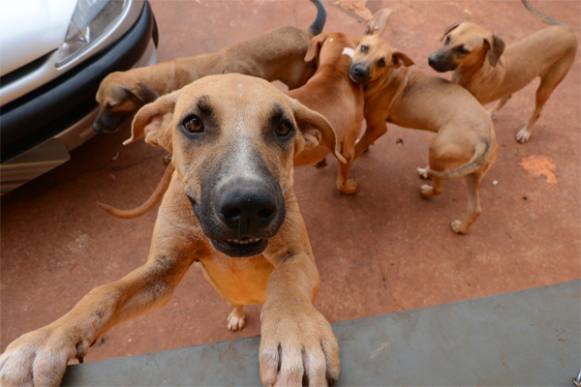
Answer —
(462, 50)
(193, 124)
(283, 129)
(364, 49)
(381, 62)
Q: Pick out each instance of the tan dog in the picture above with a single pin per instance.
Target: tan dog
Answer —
(490, 72)
(277, 55)
(465, 142)
(233, 139)
(330, 92)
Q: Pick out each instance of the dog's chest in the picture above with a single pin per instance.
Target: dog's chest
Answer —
(241, 281)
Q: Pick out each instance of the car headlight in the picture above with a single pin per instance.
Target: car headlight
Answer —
(90, 20)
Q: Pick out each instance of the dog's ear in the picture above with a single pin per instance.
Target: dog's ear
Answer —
(495, 49)
(449, 29)
(315, 47)
(377, 25)
(316, 129)
(152, 122)
(400, 59)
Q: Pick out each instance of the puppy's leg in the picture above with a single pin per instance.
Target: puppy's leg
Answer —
(549, 81)
(427, 191)
(499, 106)
(40, 357)
(296, 341)
(424, 172)
(236, 318)
(474, 209)
(374, 130)
(344, 183)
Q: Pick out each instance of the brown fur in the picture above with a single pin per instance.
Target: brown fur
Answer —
(329, 92)
(276, 55)
(465, 141)
(492, 72)
(283, 278)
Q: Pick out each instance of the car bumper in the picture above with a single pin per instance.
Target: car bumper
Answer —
(38, 130)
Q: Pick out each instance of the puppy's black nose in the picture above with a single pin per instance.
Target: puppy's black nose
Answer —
(359, 71)
(247, 209)
(431, 61)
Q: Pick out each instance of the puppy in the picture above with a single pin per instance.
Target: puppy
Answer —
(331, 93)
(490, 72)
(231, 207)
(277, 55)
(465, 142)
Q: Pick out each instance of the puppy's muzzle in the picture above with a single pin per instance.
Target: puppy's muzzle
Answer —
(359, 72)
(250, 212)
(441, 62)
(108, 121)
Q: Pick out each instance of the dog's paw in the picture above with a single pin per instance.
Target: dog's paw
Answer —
(297, 345)
(349, 187)
(427, 191)
(38, 358)
(523, 135)
(423, 172)
(458, 227)
(236, 319)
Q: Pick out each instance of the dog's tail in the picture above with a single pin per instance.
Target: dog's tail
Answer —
(481, 154)
(317, 27)
(147, 205)
(544, 18)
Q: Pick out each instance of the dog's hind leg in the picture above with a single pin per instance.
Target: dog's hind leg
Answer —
(236, 318)
(549, 81)
(499, 106)
(427, 191)
(344, 183)
(474, 208)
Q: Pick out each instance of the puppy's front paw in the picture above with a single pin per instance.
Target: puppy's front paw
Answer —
(427, 191)
(297, 345)
(459, 227)
(523, 135)
(349, 187)
(38, 358)
(236, 319)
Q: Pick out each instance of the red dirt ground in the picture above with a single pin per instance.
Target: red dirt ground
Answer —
(381, 251)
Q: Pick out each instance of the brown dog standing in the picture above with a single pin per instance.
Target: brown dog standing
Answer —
(277, 55)
(490, 72)
(465, 143)
(332, 93)
(233, 139)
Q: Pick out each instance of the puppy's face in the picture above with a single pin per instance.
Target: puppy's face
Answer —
(119, 96)
(374, 59)
(466, 45)
(233, 139)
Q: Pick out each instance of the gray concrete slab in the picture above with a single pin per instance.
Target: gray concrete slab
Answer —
(525, 338)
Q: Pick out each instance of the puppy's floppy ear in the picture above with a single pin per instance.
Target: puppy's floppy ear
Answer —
(316, 129)
(315, 46)
(495, 49)
(449, 29)
(152, 122)
(400, 59)
(377, 25)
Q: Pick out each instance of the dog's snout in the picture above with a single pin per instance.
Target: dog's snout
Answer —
(247, 209)
(441, 62)
(431, 61)
(359, 72)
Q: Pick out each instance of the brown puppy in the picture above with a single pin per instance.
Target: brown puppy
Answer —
(490, 72)
(465, 142)
(331, 93)
(233, 139)
(277, 55)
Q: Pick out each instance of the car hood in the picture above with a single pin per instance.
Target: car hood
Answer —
(30, 29)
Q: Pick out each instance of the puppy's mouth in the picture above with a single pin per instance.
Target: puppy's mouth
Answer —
(245, 247)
